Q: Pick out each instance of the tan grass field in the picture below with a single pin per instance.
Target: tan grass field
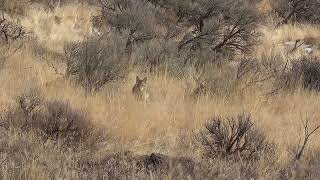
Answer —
(169, 122)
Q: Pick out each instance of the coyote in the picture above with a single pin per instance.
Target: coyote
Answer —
(199, 91)
(140, 90)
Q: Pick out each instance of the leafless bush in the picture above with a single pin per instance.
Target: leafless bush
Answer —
(304, 72)
(234, 138)
(290, 11)
(10, 31)
(28, 105)
(196, 32)
(96, 62)
(157, 55)
(222, 26)
(307, 166)
(52, 120)
(10, 34)
(63, 123)
(307, 135)
(311, 74)
(135, 17)
(29, 101)
(221, 29)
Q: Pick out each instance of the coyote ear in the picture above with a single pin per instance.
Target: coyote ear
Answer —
(137, 79)
(145, 79)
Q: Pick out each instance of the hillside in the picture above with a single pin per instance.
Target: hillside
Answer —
(159, 89)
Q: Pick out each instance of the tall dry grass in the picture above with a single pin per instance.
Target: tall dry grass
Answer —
(169, 122)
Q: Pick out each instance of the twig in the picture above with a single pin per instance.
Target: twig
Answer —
(307, 135)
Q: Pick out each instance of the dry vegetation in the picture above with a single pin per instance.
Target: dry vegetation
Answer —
(234, 89)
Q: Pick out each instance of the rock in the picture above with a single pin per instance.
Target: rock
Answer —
(308, 50)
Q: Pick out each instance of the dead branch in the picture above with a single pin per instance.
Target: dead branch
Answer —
(307, 134)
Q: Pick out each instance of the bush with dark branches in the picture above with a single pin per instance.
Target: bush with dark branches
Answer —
(290, 11)
(70, 126)
(10, 34)
(220, 28)
(53, 120)
(135, 17)
(226, 26)
(96, 62)
(304, 164)
(234, 138)
(210, 29)
(9, 31)
(303, 73)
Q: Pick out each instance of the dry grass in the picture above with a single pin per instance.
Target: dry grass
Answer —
(165, 125)
(273, 39)
(69, 23)
(264, 6)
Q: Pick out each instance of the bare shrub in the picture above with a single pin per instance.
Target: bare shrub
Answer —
(307, 166)
(64, 123)
(233, 138)
(96, 62)
(135, 17)
(10, 31)
(180, 34)
(157, 55)
(10, 34)
(223, 27)
(303, 72)
(28, 104)
(290, 11)
(53, 120)
(29, 101)
(220, 29)
(311, 74)
(307, 135)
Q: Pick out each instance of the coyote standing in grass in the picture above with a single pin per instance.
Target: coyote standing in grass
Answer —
(140, 90)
